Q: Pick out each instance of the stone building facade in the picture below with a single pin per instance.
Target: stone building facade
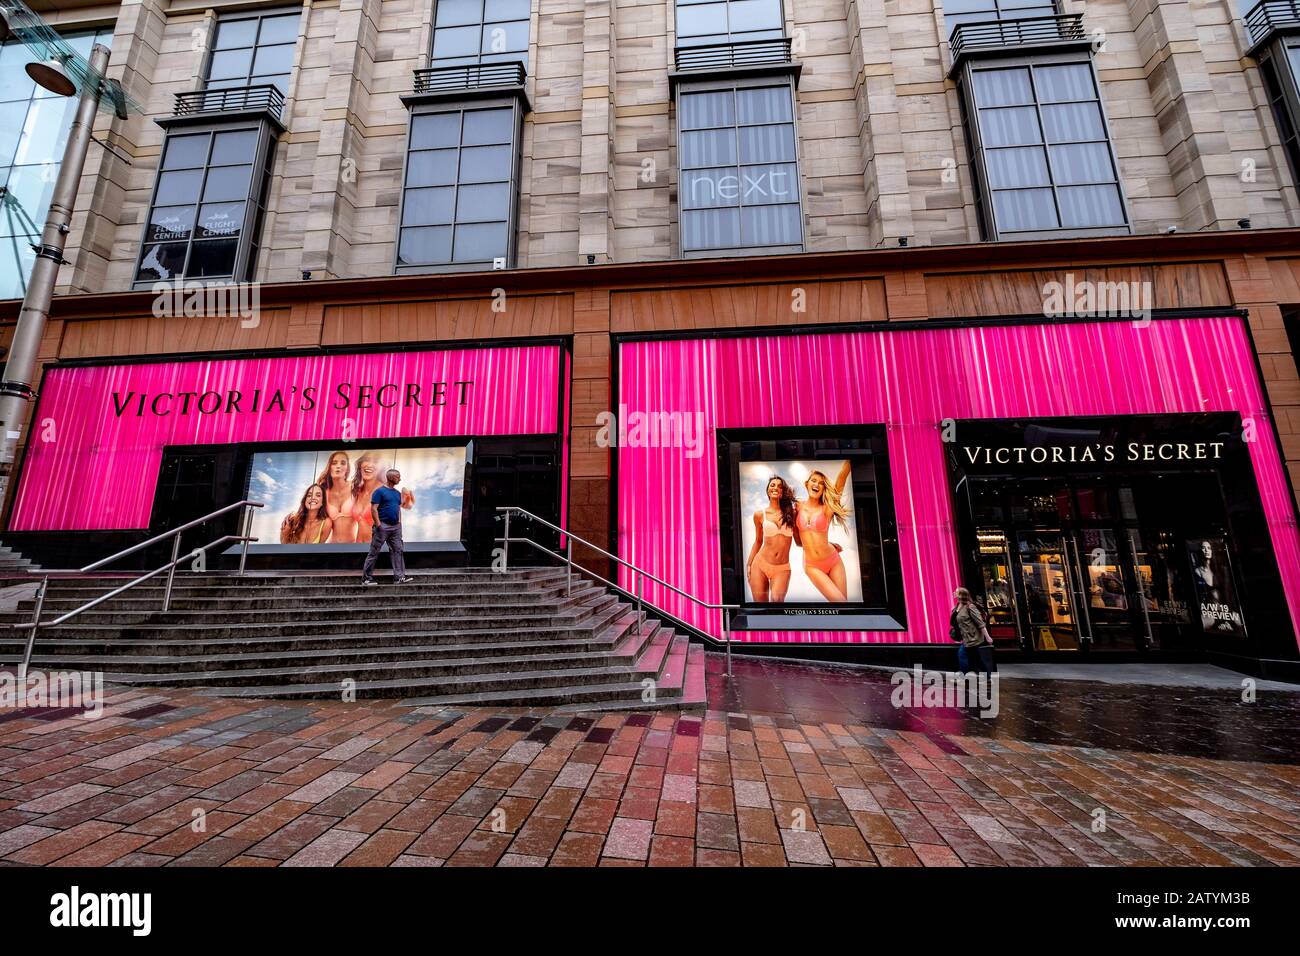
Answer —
(883, 156)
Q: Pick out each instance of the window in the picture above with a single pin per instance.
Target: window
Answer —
(957, 12)
(1043, 153)
(1279, 63)
(207, 205)
(480, 31)
(728, 21)
(459, 196)
(739, 169)
(32, 138)
(253, 50)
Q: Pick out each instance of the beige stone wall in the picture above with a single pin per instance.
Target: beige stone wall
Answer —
(882, 151)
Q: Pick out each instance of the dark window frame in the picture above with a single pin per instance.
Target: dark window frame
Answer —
(730, 36)
(463, 106)
(238, 16)
(719, 84)
(978, 157)
(999, 13)
(254, 200)
(1279, 66)
(483, 25)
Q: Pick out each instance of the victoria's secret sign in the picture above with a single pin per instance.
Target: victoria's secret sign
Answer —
(1093, 453)
(344, 396)
(1090, 444)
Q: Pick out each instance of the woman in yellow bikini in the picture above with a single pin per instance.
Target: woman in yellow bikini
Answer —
(821, 558)
(768, 567)
(310, 524)
(338, 496)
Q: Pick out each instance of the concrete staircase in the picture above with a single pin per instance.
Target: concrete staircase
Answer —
(13, 562)
(466, 637)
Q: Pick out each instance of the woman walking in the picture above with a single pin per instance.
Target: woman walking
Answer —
(966, 624)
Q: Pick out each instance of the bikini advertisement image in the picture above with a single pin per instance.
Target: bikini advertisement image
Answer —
(323, 497)
(799, 532)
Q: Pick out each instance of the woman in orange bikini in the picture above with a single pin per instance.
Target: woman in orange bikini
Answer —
(368, 477)
(821, 559)
(768, 567)
(310, 524)
(338, 496)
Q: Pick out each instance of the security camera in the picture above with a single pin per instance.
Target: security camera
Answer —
(1171, 230)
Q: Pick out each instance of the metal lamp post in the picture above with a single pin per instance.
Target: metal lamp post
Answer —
(16, 391)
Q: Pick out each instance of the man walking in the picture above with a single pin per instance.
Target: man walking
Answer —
(386, 506)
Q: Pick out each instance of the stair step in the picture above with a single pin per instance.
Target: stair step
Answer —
(695, 690)
(597, 697)
(236, 598)
(569, 620)
(10, 647)
(516, 686)
(652, 659)
(109, 614)
(168, 664)
(572, 668)
(672, 678)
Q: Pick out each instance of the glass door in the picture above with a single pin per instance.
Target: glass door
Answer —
(1000, 604)
(1110, 604)
(1048, 592)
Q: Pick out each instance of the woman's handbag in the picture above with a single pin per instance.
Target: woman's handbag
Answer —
(954, 632)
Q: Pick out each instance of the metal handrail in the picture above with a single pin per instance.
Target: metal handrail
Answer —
(740, 53)
(468, 76)
(174, 532)
(567, 558)
(1017, 32)
(259, 96)
(35, 624)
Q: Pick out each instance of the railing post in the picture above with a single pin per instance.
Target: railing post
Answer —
(505, 545)
(640, 607)
(726, 638)
(31, 635)
(247, 522)
(171, 573)
(568, 557)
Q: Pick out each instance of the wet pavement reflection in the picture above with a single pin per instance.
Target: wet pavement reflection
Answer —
(1187, 721)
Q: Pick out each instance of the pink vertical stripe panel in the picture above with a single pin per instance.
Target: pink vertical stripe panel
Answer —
(911, 381)
(89, 468)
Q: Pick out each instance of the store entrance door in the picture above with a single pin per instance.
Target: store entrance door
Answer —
(1048, 591)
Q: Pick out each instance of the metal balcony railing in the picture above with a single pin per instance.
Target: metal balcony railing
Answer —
(1272, 15)
(469, 76)
(970, 38)
(726, 56)
(262, 97)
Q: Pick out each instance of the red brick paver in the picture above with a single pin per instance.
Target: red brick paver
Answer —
(255, 783)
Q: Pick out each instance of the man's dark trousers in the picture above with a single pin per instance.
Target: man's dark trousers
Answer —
(391, 535)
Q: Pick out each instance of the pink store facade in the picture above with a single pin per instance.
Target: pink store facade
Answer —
(125, 451)
(1107, 487)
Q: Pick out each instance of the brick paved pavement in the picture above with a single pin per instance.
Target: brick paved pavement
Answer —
(166, 777)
